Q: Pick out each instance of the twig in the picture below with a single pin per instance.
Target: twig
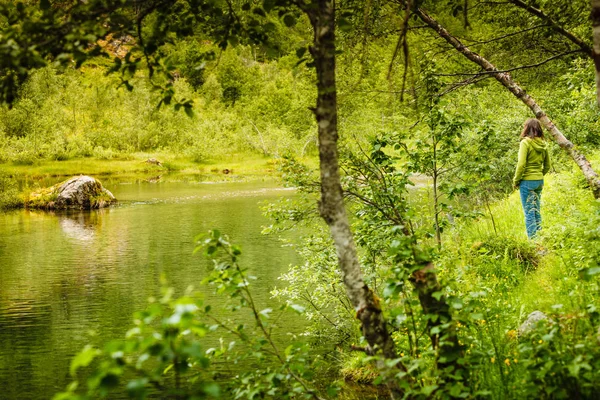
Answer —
(473, 42)
(496, 71)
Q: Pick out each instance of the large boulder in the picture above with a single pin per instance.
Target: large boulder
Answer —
(80, 192)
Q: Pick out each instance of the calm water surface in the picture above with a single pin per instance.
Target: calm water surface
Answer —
(68, 279)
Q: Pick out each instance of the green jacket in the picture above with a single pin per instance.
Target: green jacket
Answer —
(534, 160)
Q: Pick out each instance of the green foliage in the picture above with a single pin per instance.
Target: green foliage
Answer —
(559, 362)
(501, 255)
(66, 115)
(166, 351)
(255, 97)
(320, 292)
(9, 193)
(493, 278)
(162, 350)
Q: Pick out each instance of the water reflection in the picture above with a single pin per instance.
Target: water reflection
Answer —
(81, 225)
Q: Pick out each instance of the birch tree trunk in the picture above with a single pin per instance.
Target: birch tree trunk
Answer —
(506, 80)
(368, 310)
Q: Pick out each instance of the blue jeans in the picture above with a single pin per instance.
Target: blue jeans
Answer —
(531, 193)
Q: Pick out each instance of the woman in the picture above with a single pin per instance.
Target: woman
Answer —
(533, 164)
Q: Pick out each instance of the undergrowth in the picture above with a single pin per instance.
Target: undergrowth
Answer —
(9, 193)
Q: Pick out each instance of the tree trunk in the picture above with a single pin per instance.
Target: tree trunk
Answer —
(332, 208)
(506, 80)
(596, 48)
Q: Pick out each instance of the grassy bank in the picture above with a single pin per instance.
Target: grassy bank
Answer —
(136, 164)
(16, 181)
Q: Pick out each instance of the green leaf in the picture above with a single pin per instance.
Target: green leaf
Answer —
(137, 387)
(344, 25)
(265, 312)
(189, 111)
(83, 358)
(298, 308)
(211, 389)
(427, 390)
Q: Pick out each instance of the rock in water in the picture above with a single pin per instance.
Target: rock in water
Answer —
(531, 322)
(153, 161)
(81, 192)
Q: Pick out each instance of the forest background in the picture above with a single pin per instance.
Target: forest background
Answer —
(409, 105)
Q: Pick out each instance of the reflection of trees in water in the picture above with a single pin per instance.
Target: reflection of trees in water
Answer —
(81, 225)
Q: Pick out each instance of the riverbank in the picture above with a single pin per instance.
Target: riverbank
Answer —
(17, 181)
(137, 164)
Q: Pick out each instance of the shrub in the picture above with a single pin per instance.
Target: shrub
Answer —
(507, 250)
(25, 157)
(104, 154)
(9, 193)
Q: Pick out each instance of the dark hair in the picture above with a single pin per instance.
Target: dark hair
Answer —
(532, 129)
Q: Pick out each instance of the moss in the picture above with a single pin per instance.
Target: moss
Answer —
(101, 200)
(356, 370)
(43, 198)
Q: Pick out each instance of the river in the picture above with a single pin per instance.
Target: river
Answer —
(72, 278)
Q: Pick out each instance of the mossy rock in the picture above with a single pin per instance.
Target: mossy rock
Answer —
(80, 192)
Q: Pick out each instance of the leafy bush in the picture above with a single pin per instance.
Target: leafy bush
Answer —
(24, 158)
(560, 363)
(104, 154)
(9, 193)
(504, 250)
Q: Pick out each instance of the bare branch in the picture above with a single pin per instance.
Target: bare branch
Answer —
(477, 74)
(402, 41)
(540, 14)
(472, 43)
(461, 84)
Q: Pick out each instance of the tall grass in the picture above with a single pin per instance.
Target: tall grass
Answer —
(514, 275)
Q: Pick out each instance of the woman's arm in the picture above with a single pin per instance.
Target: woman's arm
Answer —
(546, 162)
(523, 148)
